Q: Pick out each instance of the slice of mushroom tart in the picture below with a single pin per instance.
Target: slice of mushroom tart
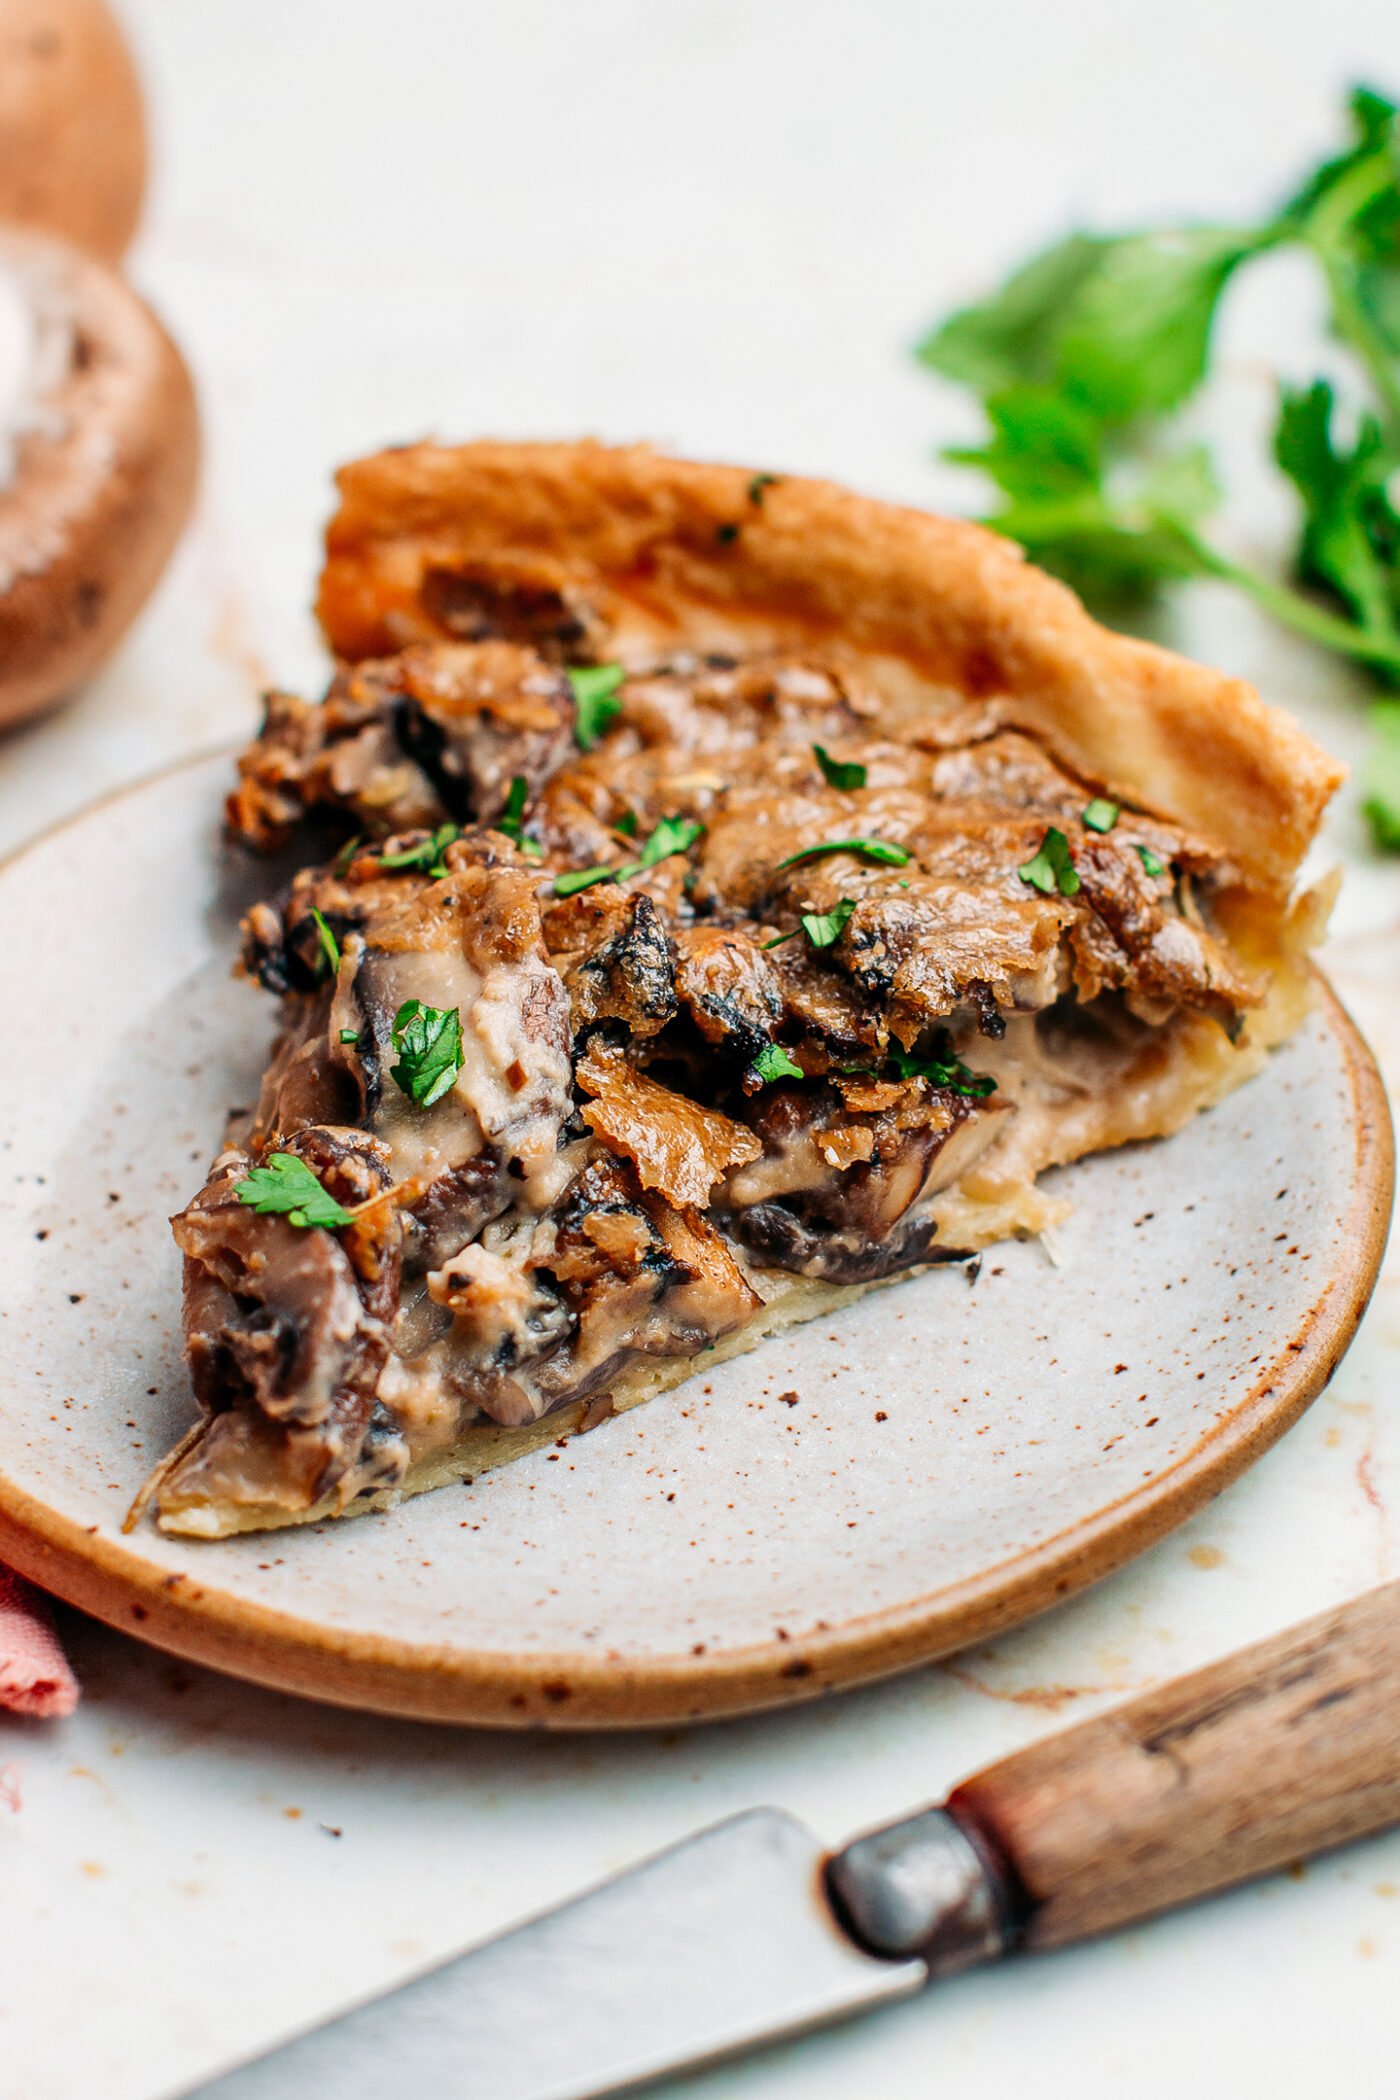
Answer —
(731, 894)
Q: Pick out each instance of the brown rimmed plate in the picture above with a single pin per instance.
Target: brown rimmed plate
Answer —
(931, 1465)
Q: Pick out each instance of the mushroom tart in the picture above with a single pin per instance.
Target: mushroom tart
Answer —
(728, 895)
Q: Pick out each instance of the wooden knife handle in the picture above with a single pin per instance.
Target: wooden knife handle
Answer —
(1283, 1750)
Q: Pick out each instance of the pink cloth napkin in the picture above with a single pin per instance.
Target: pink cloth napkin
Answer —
(34, 1675)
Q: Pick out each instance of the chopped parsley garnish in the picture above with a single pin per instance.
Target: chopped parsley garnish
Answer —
(426, 856)
(349, 1035)
(822, 928)
(428, 1040)
(773, 1063)
(346, 854)
(627, 824)
(869, 849)
(595, 689)
(726, 534)
(1099, 815)
(758, 483)
(671, 835)
(1149, 860)
(512, 817)
(330, 946)
(285, 1185)
(943, 1069)
(1050, 867)
(582, 879)
(835, 772)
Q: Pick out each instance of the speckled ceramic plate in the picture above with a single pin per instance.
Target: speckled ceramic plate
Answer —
(932, 1464)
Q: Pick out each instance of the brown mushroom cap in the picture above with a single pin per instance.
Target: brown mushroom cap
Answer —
(102, 469)
(72, 124)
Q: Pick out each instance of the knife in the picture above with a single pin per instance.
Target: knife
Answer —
(750, 1932)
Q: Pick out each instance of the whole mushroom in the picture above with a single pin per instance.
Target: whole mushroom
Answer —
(72, 124)
(99, 449)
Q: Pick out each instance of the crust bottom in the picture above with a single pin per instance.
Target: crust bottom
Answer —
(789, 1301)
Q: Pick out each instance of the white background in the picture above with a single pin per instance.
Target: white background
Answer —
(717, 225)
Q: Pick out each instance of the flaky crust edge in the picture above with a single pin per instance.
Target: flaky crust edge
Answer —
(703, 555)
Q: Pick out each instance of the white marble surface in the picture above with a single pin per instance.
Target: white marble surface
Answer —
(717, 225)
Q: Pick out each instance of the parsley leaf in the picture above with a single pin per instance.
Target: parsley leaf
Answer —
(1149, 859)
(1380, 779)
(576, 879)
(1099, 815)
(1135, 338)
(426, 857)
(823, 928)
(1350, 543)
(512, 819)
(330, 946)
(1010, 338)
(285, 1185)
(671, 835)
(595, 689)
(942, 1069)
(837, 773)
(1085, 354)
(1120, 324)
(349, 1035)
(773, 1063)
(868, 849)
(1050, 867)
(428, 1040)
(513, 814)
(627, 824)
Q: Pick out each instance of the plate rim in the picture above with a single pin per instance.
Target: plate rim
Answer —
(569, 1689)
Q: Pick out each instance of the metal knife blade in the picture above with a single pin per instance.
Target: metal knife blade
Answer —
(709, 1948)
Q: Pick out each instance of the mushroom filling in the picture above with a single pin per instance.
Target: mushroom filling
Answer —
(616, 1000)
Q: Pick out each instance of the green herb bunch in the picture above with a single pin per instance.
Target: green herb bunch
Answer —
(1086, 353)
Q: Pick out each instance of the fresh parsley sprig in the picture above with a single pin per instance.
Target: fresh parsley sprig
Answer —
(1085, 354)
(428, 1040)
(285, 1184)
